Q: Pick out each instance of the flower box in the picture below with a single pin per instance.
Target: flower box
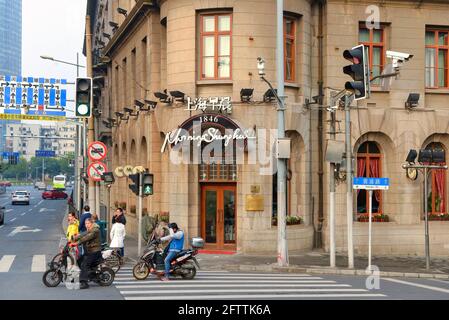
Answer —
(290, 220)
(374, 218)
(439, 217)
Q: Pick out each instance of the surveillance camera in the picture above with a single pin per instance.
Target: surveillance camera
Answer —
(399, 55)
(261, 66)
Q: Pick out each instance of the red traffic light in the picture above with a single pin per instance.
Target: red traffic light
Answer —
(354, 55)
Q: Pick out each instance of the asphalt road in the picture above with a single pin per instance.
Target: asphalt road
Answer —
(23, 277)
(31, 236)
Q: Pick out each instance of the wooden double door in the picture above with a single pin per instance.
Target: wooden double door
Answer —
(218, 216)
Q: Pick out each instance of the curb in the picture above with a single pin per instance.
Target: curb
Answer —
(328, 271)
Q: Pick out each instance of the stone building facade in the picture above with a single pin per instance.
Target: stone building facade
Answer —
(208, 50)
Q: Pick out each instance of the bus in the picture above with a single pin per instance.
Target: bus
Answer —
(59, 182)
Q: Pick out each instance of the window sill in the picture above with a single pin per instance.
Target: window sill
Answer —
(213, 82)
(437, 91)
(292, 85)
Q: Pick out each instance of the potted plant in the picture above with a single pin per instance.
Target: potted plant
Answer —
(164, 216)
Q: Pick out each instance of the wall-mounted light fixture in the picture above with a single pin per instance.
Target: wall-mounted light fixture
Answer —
(412, 101)
(162, 97)
(246, 94)
(114, 25)
(122, 11)
(268, 96)
(178, 95)
(131, 112)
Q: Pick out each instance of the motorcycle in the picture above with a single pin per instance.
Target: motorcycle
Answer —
(152, 261)
(60, 269)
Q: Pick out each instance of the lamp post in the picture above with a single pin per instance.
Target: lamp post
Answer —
(80, 145)
(426, 169)
(282, 257)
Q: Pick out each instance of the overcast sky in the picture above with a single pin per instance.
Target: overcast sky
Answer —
(54, 28)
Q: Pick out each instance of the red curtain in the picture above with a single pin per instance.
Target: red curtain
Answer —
(361, 165)
(439, 183)
(374, 164)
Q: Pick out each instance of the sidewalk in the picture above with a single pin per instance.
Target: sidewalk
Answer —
(315, 262)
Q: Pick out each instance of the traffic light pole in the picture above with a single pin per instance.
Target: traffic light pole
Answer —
(139, 230)
(91, 127)
(349, 194)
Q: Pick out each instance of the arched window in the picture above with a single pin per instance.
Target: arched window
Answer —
(436, 197)
(369, 164)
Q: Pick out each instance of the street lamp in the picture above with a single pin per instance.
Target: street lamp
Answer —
(80, 151)
(425, 157)
(282, 256)
(77, 65)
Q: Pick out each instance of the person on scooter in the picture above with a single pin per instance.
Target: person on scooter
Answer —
(92, 243)
(176, 244)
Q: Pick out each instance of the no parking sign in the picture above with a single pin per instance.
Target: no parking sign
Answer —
(97, 151)
(96, 170)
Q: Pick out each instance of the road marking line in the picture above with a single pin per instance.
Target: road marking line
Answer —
(218, 282)
(30, 210)
(38, 264)
(6, 262)
(23, 214)
(260, 296)
(1, 226)
(270, 277)
(258, 285)
(12, 220)
(160, 292)
(417, 285)
(39, 203)
(8, 210)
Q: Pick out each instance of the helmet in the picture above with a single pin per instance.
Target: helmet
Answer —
(173, 225)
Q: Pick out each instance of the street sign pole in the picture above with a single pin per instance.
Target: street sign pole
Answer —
(43, 169)
(370, 215)
(427, 246)
(349, 204)
(139, 230)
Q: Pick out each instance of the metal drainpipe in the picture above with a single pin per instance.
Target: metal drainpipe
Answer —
(319, 238)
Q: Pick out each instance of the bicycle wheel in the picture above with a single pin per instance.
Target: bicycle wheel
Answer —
(52, 278)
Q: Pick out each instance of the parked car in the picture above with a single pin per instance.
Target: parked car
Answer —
(54, 194)
(21, 196)
(2, 215)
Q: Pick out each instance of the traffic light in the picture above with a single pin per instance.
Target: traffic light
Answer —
(357, 71)
(83, 100)
(134, 187)
(147, 184)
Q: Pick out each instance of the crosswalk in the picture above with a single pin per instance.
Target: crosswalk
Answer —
(213, 285)
(35, 263)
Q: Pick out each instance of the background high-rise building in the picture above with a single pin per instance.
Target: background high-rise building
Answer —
(11, 37)
(10, 47)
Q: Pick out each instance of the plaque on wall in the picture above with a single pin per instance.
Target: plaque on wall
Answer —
(254, 202)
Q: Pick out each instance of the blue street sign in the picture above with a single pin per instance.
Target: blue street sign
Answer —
(371, 183)
(7, 154)
(45, 153)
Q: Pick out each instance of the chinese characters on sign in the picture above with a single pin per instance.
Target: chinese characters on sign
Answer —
(221, 104)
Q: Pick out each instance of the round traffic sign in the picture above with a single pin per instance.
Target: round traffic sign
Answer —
(95, 170)
(97, 151)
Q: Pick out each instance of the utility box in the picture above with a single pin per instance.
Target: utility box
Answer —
(283, 148)
(335, 151)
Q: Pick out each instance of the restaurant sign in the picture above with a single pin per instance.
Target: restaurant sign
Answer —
(207, 128)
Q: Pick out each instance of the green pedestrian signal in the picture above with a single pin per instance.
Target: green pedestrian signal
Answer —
(148, 190)
(147, 184)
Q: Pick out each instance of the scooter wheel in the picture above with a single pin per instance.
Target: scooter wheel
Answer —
(52, 278)
(189, 274)
(141, 271)
(106, 277)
